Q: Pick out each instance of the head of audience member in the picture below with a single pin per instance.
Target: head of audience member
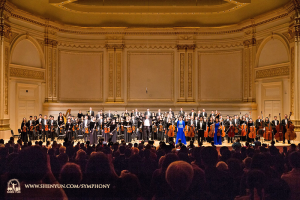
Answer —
(209, 156)
(70, 174)
(222, 166)
(294, 160)
(179, 176)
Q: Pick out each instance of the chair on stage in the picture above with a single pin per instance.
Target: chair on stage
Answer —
(61, 135)
(79, 136)
(16, 135)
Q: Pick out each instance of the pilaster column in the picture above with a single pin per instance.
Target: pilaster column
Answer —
(186, 73)
(51, 65)
(5, 34)
(115, 75)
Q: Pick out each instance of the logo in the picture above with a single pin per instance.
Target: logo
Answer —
(13, 186)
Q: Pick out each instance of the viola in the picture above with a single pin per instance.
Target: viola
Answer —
(160, 128)
(46, 128)
(86, 130)
(133, 128)
(171, 131)
(129, 130)
(154, 129)
(24, 129)
(236, 130)
(31, 128)
(106, 130)
(252, 133)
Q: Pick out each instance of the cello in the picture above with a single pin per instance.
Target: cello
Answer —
(279, 130)
(206, 132)
(244, 130)
(186, 130)
(231, 131)
(268, 131)
(211, 132)
(191, 132)
(252, 133)
(290, 133)
(222, 129)
(171, 131)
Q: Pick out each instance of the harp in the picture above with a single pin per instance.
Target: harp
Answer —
(66, 115)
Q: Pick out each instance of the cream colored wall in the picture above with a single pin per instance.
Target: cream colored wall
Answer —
(180, 67)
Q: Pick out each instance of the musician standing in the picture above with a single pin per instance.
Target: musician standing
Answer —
(45, 128)
(85, 127)
(53, 125)
(93, 133)
(284, 122)
(146, 127)
(127, 125)
(201, 129)
(203, 114)
(69, 127)
(24, 129)
(31, 128)
(275, 122)
(181, 112)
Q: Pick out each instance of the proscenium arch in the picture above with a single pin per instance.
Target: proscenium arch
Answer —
(266, 40)
(33, 41)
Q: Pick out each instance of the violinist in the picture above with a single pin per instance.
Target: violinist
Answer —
(24, 129)
(134, 121)
(85, 125)
(212, 115)
(203, 114)
(100, 125)
(160, 126)
(192, 113)
(227, 123)
(274, 123)
(250, 124)
(181, 112)
(61, 125)
(45, 128)
(231, 124)
(113, 132)
(210, 122)
(284, 122)
(201, 127)
(68, 129)
(127, 125)
(244, 121)
(31, 128)
(258, 124)
(93, 133)
(191, 123)
(53, 125)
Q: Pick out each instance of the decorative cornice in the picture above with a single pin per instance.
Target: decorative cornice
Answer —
(81, 46)
(50, 42)
(5, 31)
(186, 47)
(266, 73)
(152, 46)
(26, 73)
(219, 46)
(114, 46)
(249, 42)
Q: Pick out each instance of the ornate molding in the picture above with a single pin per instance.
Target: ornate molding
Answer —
(50, 42)
(49, 80)
(190, 75)
(219, 46)
(150, 46)
(266, 73)
(293, 79)
(186, 47)
(181, 89)
(26, 73)
(6, 80)
(118, 74)
(81, 46)
(111, 75)
(5, 31)
(249, 42)
(114, 46)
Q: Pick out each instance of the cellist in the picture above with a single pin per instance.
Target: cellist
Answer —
(274, 123)
(243, 121)
(284, 122)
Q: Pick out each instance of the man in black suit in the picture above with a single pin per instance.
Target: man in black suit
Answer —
(147, 122)
(136, 113)
(99, 114)
(109, 114)
(53, 125)
(171, 113)
(203, 114)
(201, 127)
(259, 122)
(192, 113)
(181, 113)
(158, 113)
(91, 112)
(213, 115)
(31, 126)
(45, 125)
(275, 122)
(148, 112)
(284, 122)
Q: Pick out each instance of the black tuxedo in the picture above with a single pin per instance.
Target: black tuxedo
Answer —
(203, 114)
(284, 122)
(92, 113)
(148, 113)
(201, 127)
(236, 122)
(146, 129)
(109, 115)
(192, 114)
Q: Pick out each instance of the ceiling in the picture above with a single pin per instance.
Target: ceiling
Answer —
(148, 13)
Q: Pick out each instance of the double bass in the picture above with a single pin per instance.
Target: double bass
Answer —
(290, 133)
(279, 130)
(268, 131)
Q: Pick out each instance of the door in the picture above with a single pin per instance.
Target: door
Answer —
(273, 108)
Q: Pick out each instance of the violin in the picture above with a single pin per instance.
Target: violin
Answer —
(31, 128)
(133, 128)
(171, 131)
(160, 128)
(154, 129)
(86, 130)
(129, 129)
(290, 133)
(261, 125)
(46, 128)
(24, 129)
(252, 133)
(279, 130)
(106, 129)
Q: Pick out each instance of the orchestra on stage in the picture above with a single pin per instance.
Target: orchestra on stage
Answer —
(162, 126)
